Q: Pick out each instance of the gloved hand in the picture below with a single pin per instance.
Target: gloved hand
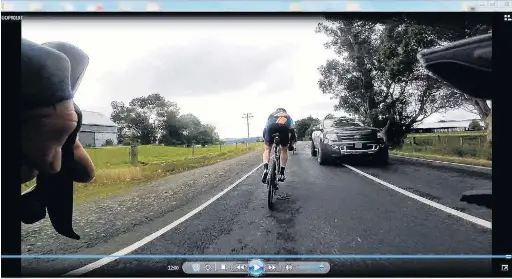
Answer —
(50, 123)
(48, 112)
(83, 167)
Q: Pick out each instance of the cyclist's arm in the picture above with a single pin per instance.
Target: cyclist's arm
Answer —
(293, 136)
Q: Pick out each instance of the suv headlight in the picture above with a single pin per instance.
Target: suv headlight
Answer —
(331, 137)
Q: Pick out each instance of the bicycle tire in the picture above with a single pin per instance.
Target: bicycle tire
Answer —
(277, 158)
(270, 184)
(272, 180)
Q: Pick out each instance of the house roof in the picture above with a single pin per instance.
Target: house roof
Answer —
(446, 124)
(96, 118)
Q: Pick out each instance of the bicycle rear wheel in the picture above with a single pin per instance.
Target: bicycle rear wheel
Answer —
(270, 184)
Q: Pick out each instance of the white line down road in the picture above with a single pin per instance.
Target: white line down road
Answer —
(330, 183)
(156, 234)
(459, 214)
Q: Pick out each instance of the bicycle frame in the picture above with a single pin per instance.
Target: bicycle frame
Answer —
(277, 153)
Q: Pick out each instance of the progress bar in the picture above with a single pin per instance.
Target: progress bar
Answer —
(245, 257)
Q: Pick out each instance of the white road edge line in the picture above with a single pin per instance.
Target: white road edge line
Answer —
(462, 215)
(145, 240)
(441, 162)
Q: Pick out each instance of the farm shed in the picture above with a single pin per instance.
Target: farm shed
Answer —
(444, 126)
(96, 129)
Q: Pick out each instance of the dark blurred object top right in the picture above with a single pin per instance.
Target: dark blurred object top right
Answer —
(465, 65)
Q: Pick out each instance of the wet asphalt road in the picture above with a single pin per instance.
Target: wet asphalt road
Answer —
(321, 210)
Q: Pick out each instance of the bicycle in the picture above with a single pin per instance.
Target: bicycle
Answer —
(275, 166)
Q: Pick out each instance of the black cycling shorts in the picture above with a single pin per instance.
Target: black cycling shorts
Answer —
(282, 130)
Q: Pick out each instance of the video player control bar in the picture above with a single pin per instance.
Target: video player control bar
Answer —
(256, 267)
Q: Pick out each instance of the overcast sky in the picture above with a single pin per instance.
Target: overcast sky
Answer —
(216, 69)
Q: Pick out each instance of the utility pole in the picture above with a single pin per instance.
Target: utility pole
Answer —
(247, 116)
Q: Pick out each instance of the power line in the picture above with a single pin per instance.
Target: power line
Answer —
(247, 116)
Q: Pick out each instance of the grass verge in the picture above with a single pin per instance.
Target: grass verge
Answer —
(114, 174)
(459, 160)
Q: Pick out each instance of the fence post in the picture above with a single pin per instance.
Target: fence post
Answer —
(439, 138)
(461, 141)
(220, 147)
(193, 149)
(414, 140)
(134, 155)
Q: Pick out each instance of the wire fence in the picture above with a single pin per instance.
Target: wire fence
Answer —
(471, 146)
(125, 155)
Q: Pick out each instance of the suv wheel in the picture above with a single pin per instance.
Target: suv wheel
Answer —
(382, 158)
(313, 150)
(321, 157)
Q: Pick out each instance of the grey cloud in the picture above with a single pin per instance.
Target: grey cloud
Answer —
(321, 106)
(279, 76)
(202, 68)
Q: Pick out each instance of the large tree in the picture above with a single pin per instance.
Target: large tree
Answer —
(207, 135)
(172, 130)
(150, 119)
(377, 77)
(143, 119)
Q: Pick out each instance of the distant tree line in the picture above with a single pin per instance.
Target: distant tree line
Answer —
(154, 120)
(304, 127)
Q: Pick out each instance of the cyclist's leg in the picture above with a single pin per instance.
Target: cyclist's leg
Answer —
(267, 138)
(284, 137)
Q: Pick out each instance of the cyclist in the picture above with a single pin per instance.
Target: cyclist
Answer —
(279, 122)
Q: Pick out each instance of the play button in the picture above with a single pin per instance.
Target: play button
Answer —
(256, 267)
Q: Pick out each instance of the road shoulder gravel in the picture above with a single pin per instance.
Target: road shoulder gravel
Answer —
(99, 221)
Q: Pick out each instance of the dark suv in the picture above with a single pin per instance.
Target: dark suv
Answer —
(342, 137)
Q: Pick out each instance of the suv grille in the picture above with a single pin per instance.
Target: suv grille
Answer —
(358, 137)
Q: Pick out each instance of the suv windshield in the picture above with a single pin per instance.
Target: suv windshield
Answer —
(340, 123)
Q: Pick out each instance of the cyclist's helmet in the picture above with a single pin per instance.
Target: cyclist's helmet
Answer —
(281, 110)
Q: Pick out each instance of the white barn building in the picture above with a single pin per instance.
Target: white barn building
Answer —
(444, 126)
(96, 129)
